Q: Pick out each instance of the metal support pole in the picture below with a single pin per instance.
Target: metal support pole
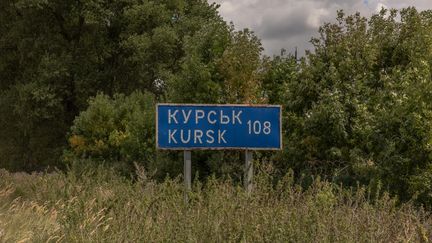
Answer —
(248, 175)
(187, 173)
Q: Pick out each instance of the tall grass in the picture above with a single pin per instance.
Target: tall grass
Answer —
(97, 205)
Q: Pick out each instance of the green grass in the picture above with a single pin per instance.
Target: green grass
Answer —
(97, 205)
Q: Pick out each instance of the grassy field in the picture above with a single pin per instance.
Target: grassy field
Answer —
(97, 205)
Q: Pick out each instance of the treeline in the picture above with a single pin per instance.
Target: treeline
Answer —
(80, 80)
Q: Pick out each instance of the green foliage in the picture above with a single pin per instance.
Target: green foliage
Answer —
(116, 130)
(97, 205)
(30, 125)
(58, 54)
(239, 67)
(221, 66)
(359, 107)
(279, 72)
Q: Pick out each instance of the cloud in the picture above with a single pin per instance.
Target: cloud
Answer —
(292, 23)
(282, 26)
(380, 6)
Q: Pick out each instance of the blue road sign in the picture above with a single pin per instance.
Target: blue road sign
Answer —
(187, 127)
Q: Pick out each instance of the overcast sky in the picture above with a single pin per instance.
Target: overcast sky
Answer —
(290, 23)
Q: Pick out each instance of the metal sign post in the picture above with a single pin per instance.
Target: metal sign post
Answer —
(187, 173)
(248, 175)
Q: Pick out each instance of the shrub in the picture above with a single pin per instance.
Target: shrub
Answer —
(118, 131)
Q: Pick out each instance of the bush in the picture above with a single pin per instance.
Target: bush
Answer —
(118, 131)
(359, 108)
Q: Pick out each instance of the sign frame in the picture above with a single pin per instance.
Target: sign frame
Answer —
(219, 148)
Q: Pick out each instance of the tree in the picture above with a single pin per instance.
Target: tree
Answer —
(239, 67)
(359, 108)
(57, 54)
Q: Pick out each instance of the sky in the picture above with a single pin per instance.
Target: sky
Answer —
(291, 23)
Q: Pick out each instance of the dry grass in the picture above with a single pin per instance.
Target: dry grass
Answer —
(99, 206)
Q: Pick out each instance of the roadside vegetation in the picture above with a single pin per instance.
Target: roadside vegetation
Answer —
(98, 205)
(79, 81)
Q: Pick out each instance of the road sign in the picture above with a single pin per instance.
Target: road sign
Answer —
(203, 126)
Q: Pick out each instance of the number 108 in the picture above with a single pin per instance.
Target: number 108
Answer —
(257, 128)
